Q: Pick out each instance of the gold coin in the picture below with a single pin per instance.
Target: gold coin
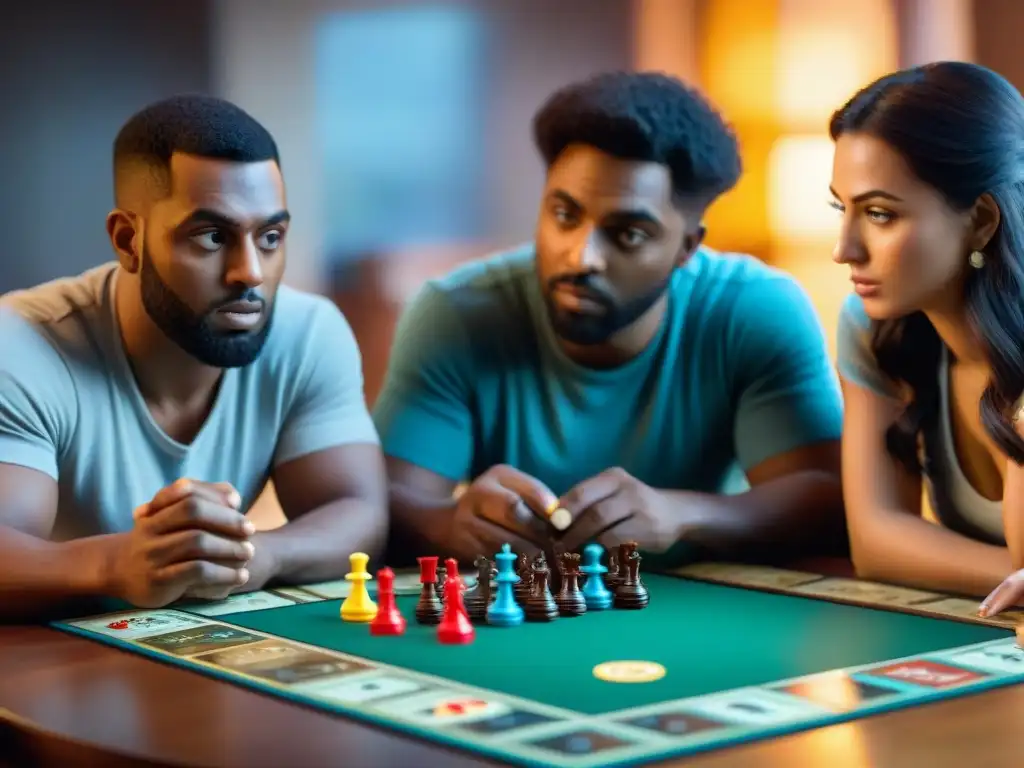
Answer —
(629, 671)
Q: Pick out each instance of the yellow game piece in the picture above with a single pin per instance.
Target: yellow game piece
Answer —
(358, 606)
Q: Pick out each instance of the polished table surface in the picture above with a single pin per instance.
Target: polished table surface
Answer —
(67, 701)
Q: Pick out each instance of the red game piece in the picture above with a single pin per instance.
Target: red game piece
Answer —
(455, 627)
(428, 569)
(388, 621)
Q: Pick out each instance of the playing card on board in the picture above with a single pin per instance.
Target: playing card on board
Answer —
(250, 601)
(212, 637)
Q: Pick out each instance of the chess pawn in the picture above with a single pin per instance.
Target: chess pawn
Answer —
(388, 621)
(570, 600)
(358, 606)
(541, 606)
(597, 596)
(631, 593)
(455, 627)
(429, 608)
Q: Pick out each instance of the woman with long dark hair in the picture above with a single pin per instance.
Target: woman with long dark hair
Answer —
(929, 178)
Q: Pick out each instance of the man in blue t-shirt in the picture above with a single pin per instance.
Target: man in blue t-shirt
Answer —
(614, 367)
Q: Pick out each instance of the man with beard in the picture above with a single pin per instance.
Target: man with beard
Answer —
(145, 404)
(607, 381)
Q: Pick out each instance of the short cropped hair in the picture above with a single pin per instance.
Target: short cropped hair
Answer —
(199, 125)
(649, 117)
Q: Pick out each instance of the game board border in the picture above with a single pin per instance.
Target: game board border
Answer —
(648, 746)
(1007, 620)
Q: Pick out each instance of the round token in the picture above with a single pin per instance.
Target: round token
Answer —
(629, 671)
(561, 518)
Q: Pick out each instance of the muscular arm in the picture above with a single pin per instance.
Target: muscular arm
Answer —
(328, 470)
(425, 423)
(889, 539)
(37, 407)
(422, 506)
(787, 429)
(40, 578)
(335, 504)
(794, 507)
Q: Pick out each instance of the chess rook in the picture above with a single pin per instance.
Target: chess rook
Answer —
(540, 605)
(429, 609)
(570, 600)
(631, 592)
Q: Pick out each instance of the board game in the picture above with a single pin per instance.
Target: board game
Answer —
(721, 654)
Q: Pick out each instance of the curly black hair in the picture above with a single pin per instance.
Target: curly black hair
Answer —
(192, 124)
(645, 116)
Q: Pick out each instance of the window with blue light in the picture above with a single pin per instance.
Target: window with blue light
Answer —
(400, 120)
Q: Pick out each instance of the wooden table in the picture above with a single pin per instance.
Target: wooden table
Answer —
(72, 702)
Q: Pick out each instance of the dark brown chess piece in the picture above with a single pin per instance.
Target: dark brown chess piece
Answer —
(570, 600)
(524, 585)
(613, 578)
(631, 593)
(442, 576)
(429, 608)
(478, 599)
(554, 555)
(540, 605)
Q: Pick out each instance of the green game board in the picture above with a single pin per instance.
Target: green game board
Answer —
(742, 664)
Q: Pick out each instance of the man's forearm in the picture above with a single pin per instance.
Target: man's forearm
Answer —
(422, 523)
(40, 578)
(315, 547)
(799, 514)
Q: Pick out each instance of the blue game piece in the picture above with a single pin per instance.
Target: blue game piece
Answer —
(505, 611)
(595, 593)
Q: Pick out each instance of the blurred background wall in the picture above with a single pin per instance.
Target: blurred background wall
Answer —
(405, 124)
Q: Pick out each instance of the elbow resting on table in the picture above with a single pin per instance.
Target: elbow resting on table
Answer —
(868, 562)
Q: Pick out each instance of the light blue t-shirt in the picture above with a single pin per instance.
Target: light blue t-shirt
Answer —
(956, 503)
(738, 373)
(70, 406)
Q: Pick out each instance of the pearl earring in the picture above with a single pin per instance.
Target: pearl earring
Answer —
(977, 259)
